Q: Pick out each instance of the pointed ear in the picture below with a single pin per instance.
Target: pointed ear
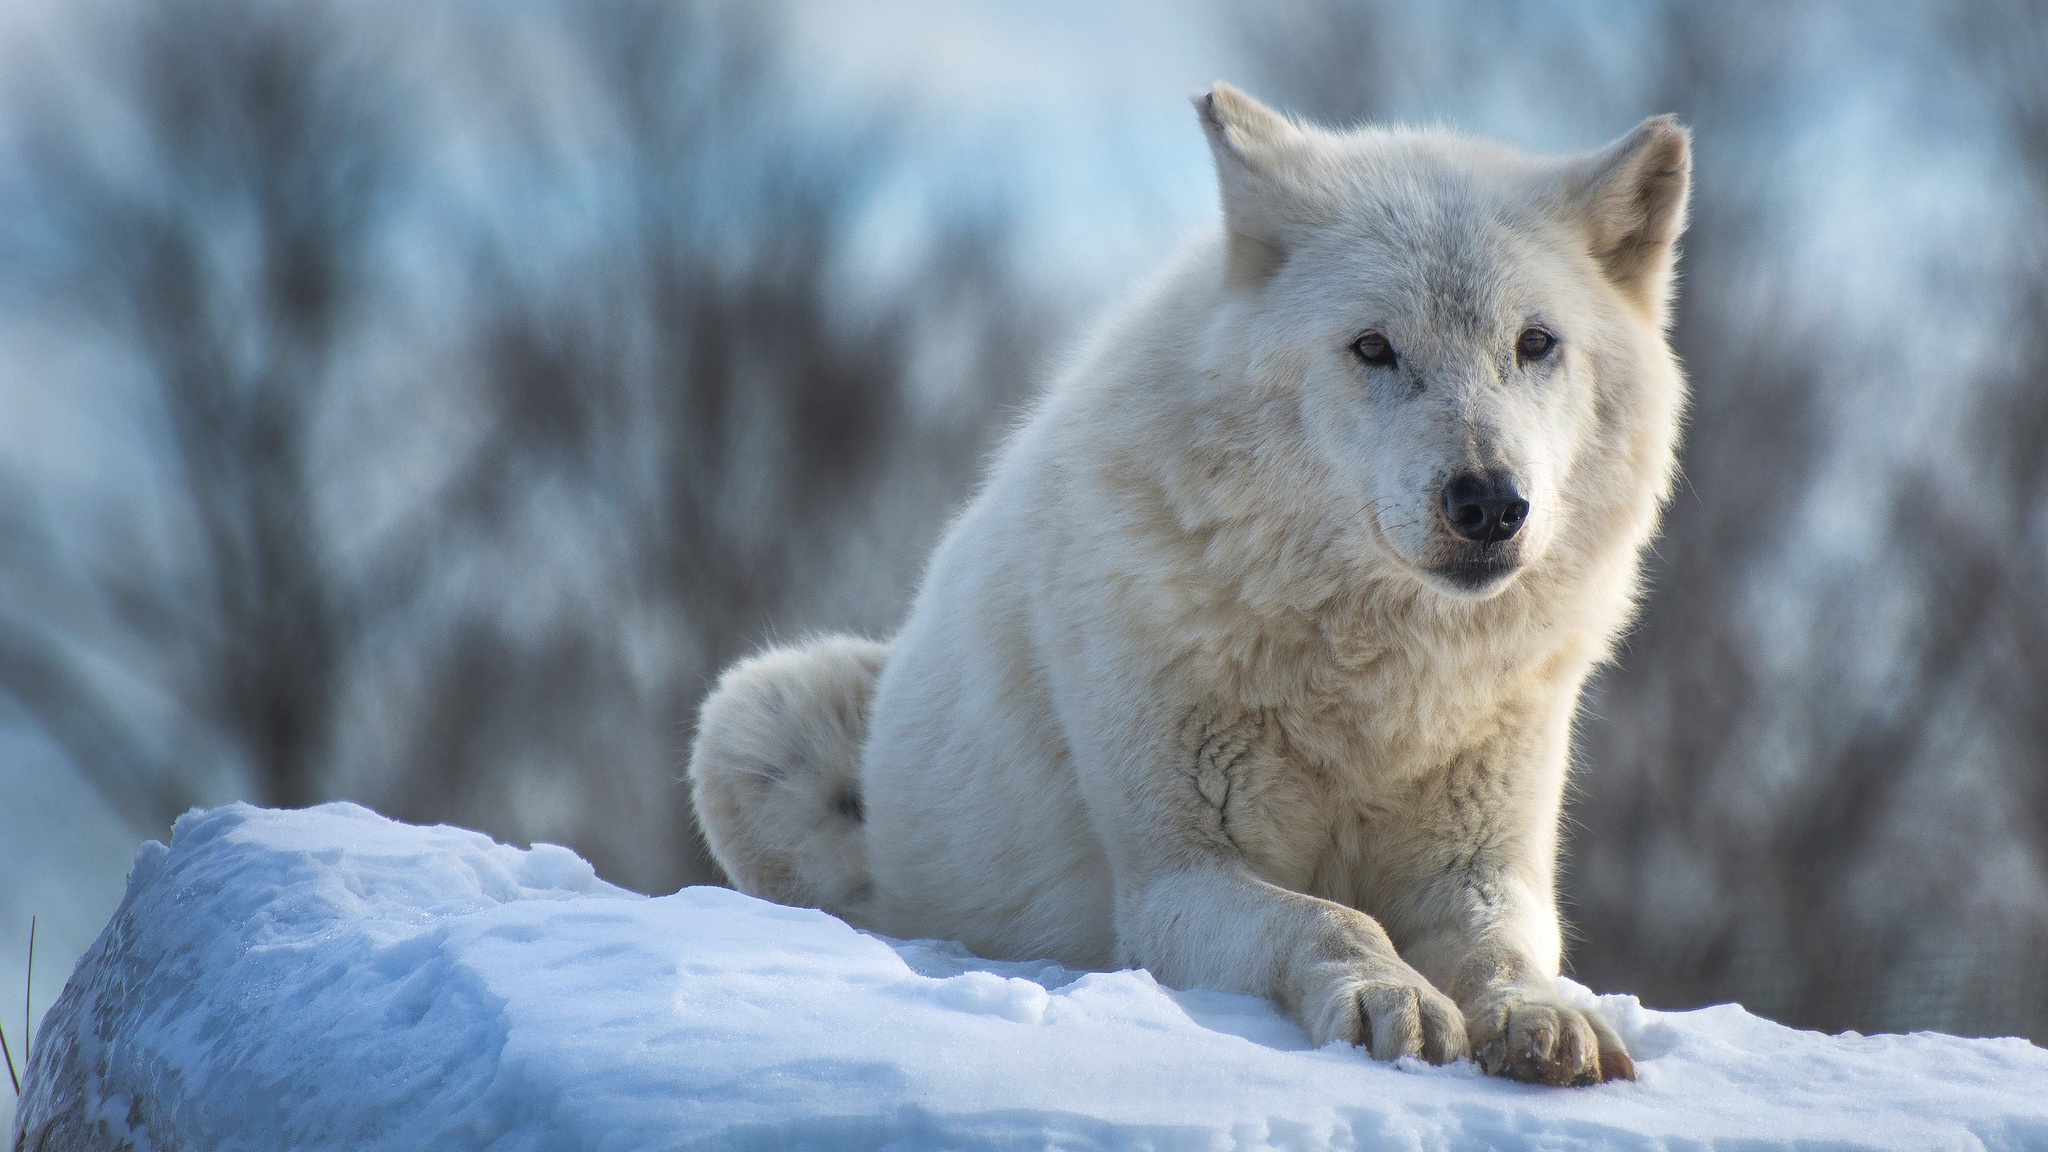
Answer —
(1631, 197)
(1253, 147)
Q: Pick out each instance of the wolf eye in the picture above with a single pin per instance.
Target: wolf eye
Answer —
(1535, 344)
(1374, 350)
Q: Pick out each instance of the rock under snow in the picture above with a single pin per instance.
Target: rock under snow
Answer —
(331, 979)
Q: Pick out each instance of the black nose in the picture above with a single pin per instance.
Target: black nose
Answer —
(1484, 506)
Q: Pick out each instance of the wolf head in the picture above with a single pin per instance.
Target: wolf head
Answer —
(1467, 341)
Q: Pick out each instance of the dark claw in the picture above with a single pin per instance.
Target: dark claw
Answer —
(1616, 1065)
(1494, 1057)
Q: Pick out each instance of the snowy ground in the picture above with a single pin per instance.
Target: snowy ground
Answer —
(331, 979)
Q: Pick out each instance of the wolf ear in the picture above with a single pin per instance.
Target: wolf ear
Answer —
(1253, 146)
(1631, 196)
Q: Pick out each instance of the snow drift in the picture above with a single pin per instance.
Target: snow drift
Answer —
(331, 979)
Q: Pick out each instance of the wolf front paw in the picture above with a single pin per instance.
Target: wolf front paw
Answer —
(1544, 1042)
(1392, 1018)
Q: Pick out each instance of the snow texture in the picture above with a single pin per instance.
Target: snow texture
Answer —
(331, 979)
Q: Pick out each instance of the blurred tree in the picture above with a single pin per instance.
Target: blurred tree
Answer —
(700, 381)
(685, 411)
(225, 235)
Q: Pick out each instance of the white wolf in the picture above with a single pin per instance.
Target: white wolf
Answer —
(1255, 660)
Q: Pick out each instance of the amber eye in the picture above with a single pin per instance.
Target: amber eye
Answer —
(1535, 344)
(1374, 349)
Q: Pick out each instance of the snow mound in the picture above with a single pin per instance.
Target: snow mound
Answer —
(331, 979)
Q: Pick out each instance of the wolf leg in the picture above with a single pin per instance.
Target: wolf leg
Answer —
(1481, 919)
(1211, 924)
(1189, 905)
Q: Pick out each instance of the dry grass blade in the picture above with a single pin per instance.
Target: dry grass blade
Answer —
(28, 991)
(27, 1015)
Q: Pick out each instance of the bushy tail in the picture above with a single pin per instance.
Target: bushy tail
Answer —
(776, 772)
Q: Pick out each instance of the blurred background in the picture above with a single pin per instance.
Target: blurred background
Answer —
(419, 403)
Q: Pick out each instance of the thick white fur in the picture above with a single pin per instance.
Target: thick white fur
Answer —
(1185, 686)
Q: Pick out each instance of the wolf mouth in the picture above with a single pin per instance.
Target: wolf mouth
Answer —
(1481, 570)
(1478, 574)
